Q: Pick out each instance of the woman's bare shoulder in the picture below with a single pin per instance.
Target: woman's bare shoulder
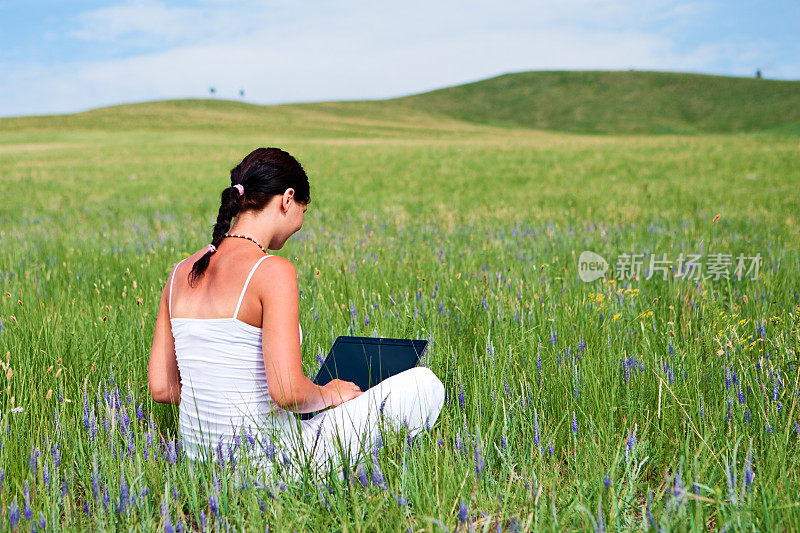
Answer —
(277, 265)
(273, 273)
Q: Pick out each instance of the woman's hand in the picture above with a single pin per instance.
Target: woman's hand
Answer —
(338, 391)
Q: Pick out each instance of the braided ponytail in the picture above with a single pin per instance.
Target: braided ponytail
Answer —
(229, 207)
(262, 174)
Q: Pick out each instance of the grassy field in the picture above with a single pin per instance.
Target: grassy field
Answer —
(624, 404)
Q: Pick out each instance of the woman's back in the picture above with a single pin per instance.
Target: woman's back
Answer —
(232, 361)
(225, 401)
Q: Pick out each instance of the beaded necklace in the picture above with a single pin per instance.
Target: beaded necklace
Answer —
(249, 239)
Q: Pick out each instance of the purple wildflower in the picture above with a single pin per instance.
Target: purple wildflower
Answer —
(361, 473)
(172, 454)
(631, 442)
(748, 468)
(93, 424)
(539, 358)
(730, 404)
(26, 505)
(702, 411)
(649, 514)
(480, 464)
(378, 478)
(607, 481)
(601, 525)
(86, 411)
(124, 495)
(463, 512)
(574, 423)
(95, 480)
(125, 421)
(13, 514)
(32, 462)
(213, 506)
(320, 359)
(677, 488)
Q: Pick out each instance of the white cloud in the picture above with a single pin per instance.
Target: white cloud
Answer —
(356, 50)
(149, 19)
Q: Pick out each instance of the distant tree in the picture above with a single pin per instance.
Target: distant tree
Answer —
(758, 74)
(241, 93)
(212, 90)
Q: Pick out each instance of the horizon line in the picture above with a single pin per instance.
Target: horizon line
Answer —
(379, 99)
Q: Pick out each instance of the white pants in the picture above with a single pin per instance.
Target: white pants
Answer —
(412, 398)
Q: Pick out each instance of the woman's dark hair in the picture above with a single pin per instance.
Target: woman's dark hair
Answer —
(264, 173)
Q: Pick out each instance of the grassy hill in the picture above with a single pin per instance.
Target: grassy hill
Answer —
(571, 101)
(620, 102)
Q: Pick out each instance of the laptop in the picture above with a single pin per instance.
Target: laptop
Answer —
(366, 361)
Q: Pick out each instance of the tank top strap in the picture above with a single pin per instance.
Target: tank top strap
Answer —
(246, 283)
(171, 281)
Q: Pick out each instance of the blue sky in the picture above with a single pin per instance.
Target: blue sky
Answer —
(61, 57)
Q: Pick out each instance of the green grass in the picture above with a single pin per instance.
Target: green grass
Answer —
(620, 102)
(432, 227)
(606, 102)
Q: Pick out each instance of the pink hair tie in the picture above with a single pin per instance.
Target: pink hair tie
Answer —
(239, 188)
(212, 248)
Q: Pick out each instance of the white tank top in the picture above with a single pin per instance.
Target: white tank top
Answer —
(225, 403)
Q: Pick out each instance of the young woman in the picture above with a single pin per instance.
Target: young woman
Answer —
(227, 340)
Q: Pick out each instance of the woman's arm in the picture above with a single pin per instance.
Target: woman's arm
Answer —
(162, 371)
(288, 387)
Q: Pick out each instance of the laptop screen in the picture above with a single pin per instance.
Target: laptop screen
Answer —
(366, 361)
